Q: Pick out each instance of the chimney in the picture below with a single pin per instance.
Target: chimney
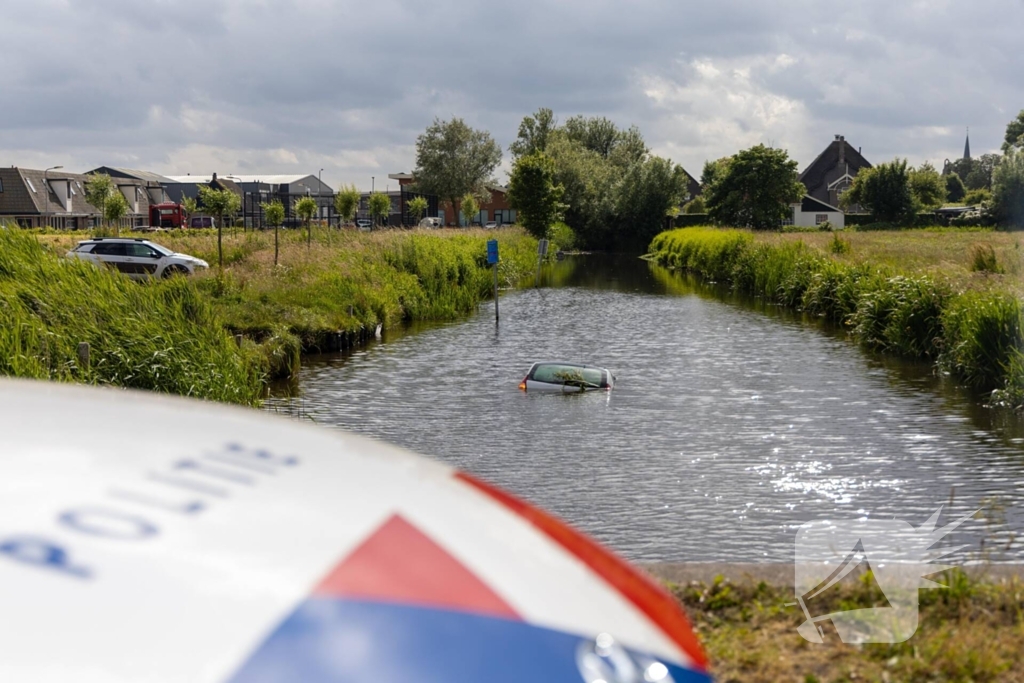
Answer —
(214, 175)
(842, 149)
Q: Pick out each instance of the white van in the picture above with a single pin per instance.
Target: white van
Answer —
(201, 222)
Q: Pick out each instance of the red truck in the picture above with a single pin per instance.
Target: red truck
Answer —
(166, 215)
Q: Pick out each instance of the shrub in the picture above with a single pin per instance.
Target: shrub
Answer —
(562, 237)
(983, 259)
(838, 245)
(977, 197)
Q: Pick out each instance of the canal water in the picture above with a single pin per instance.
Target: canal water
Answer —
(730, 425)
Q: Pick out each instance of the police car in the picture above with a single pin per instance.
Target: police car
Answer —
(136, 258)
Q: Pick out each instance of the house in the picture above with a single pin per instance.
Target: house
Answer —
(832, 173)
(257, 189)
(36, 199)
(811, 212)
(496, 208)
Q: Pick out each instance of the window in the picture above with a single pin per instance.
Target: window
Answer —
(567, 374)
(141, 251)
(1, 184)
(820, 218)
(110, 249)
(30, 185)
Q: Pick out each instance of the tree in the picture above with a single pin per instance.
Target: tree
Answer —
(644, 196)
(189, 207)
(98, 189)
(114, 209)
(380, 207)
(533, 133)
(927, 186)
(346, 202)
(418, 207)
(453, 159)
(597, 133)
(713, 170)
(219, 203)
(756, 189)
(273, 211)
(981, 170)
(955, 189)
(1014, 133)
(534, 193)
(1008, 189)
(696, 205)
(306, 208)
(977, 197)
(470, 208)
(884, 191)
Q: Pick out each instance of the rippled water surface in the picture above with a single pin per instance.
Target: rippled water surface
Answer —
(729, 425)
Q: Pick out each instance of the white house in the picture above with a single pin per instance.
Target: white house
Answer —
(812, 212)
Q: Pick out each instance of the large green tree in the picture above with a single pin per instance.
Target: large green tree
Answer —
(927, 186)
(346, 202)
(534, 131)
(534, 193)
(756, 189)
(1014, 133)
(712, 171)
(1008, 189)
(219, 203)
(647, 191)
(453, 159)
(884, 191)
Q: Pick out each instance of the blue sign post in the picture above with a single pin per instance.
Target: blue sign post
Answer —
(492, 258)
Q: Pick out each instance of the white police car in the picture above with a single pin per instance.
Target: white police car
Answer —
(136, 258)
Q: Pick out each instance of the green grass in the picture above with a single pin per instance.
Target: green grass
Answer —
(346, 283)
(160, 336)
(972, 631)
(947, 312)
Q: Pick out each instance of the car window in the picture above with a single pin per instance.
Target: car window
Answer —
(560, 374)
(84, 248)
(141, 251)
(110, 249)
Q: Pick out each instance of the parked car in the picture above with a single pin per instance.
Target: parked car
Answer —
(364, 224)
(136, 258)
(491, 225)
(430, 223)
(566, 378)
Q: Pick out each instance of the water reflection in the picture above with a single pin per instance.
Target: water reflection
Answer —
(731, 423)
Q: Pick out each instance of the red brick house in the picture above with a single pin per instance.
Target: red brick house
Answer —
(496, 209)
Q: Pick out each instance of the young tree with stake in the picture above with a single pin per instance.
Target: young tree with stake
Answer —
(274, 213)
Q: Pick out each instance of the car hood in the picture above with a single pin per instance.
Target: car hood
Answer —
(190, 259)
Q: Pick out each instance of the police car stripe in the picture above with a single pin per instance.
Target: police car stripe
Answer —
(647, 596)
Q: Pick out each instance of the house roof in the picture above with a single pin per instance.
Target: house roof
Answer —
(814, 175)
(24, 190)
(811, 205)
(135, 174)
(493, 187)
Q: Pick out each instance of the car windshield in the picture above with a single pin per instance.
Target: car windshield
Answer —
(163, 250)
(555, 373)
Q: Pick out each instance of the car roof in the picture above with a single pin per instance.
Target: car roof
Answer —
(113, 239)
(566, 364)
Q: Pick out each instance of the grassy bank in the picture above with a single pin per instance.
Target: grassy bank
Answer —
(971, 631)
(163, 336)
(344, 285)
(938, 295)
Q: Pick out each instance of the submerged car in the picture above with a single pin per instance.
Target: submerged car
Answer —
(136, 258)
(566, 378)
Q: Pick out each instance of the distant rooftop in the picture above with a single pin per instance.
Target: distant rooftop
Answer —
(240, 178)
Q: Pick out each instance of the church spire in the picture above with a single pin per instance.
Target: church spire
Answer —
(967, 145)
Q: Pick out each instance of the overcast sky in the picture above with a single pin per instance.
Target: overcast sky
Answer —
(292, 86)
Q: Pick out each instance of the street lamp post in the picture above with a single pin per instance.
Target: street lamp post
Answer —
(46, 195)
(319, 211)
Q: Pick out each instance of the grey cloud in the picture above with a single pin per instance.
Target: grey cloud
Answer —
(94, 80)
